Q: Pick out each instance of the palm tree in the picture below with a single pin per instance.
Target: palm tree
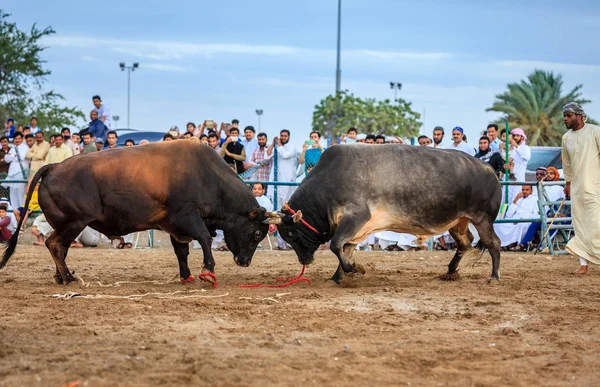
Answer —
(535, 105)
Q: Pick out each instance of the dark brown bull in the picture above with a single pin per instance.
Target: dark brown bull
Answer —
(180, 187)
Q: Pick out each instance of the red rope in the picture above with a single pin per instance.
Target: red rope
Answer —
(290, 281)
(188, 279)
(304, 222)
(204, 277)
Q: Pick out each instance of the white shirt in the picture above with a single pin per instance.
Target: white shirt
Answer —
(521, 155)
(463, 147)
(14, 170)
(249, 147)
(103, 111)
(265, 202)
(287, 163)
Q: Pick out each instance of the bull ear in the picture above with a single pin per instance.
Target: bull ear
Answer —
(297, 216)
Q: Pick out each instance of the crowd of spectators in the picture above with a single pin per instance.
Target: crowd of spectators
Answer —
(253, 156)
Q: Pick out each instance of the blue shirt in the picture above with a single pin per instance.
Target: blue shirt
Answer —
(98, 129)
(311, 157)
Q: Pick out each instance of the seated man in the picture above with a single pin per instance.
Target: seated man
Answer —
(42, 229)
(5, 233)
(524, 206)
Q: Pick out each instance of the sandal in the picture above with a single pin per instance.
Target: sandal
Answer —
(120, 246)
(127, 245)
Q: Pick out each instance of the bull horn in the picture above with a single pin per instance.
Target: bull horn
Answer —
(271, 214)
(285, 206)
(297, 216)
(273, 220)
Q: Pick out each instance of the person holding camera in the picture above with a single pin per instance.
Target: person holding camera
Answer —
(233, 151)
(311, 152)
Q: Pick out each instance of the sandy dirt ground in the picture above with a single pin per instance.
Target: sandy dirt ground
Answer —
(398, 324)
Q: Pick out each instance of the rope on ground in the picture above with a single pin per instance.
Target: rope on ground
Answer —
(163, 296)
(119, 283)
(290, 281)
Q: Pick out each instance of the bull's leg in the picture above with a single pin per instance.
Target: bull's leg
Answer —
(492, 243)
(463, 238)
(349, 226)
(182, 250)
(349, 249)
(193, 226)
(58, 244)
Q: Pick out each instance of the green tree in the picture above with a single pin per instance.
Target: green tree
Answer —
(335, 114)
(535, 105)
(22, 78)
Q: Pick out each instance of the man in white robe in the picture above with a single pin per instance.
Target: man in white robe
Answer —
(581, 167)
(18, 170)
(287, 164)
(524, 206)
(520, 153)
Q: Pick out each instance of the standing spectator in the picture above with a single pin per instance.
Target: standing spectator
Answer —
(111, 139)
(187, 135)
(233, 151)
(29, 139)
(191, 128)
(33, 125)
(97, 127)
(262, 159)
(458, 143)
(311, 152)
(37, 153)
(174, 132)
(581, 164)
(213, 142)
(88, 143)
(19, 166)
(519, 155)
(10, 128)
(258, 189)
(66, 135)
(250, 143)
(59, 152)
(103, 112)
(492, 134)
(167, 137)
(350, 137)
(76, 138)
(424, 140)
(502, 145)
(370, 139)
(26, 131)
(203, 139)
(4, 149)
(380, 139)
(490, 156)
(438, 137)
(287, 163)
(129, 142)
(99, 144)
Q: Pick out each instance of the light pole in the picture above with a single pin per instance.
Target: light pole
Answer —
(129, 70)
(116, 120)
(395, 86)
(338, 71)
(259, 113)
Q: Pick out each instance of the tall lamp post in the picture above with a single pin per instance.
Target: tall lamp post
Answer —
(395, 86)
(116, 120)
(129, 70)
(338, 71)
(259, 112)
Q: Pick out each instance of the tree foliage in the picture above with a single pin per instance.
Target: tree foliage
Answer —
(22, 78)
(535, 105)
(337, 113)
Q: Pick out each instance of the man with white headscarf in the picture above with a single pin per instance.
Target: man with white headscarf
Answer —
(581, 166)
(520, 153)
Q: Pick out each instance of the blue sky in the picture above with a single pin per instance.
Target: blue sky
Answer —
(224, 59)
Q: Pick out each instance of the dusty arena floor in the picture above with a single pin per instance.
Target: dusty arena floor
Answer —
(396, 325)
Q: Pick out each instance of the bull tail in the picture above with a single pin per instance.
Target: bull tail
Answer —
(12, 242)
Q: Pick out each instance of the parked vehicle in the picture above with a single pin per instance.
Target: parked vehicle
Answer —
(544, 156)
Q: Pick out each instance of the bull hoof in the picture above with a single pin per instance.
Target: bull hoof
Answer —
(58, 279)
(450, 276)
(493, 280)
(359, 269)
(333, 281)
